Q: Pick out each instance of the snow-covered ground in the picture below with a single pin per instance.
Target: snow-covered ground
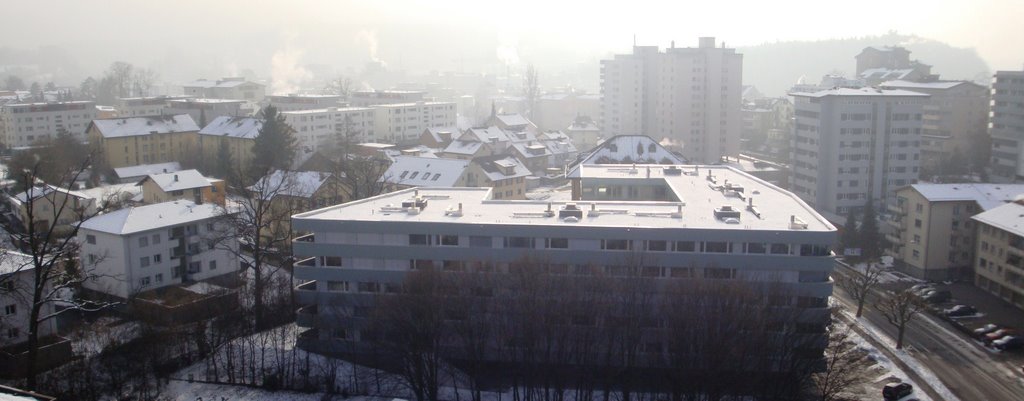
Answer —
(904, 357)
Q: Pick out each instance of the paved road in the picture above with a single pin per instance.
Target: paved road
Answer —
(971, 372)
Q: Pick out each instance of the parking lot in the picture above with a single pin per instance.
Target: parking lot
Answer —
(990, 309)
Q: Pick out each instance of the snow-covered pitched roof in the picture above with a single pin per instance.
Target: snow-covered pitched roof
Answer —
(987, 196)
(502, 167)
(886, 73)
(628, 149)
(435, 132)
(144, 125)
(178, 181)
(1008, 217)
(147, 169)
(235, 127)
(12, 261)
(300, 184)
(136, 219)
(521, 136)
(531, 150)
(425, 171)
(47, 189)
(512, 120)
(558, 143)
(463, 147)
(488, 135)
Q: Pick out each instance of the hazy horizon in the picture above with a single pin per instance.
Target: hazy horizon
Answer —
(191, 39)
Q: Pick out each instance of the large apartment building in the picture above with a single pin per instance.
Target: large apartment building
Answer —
(691, 96)
(143, 106)
(402, 123)
(932, 235)
(235, 88)
(373, 98)
(132, 141)
(22, 124)
(954, 119)
(317, 128)
(1007, 126)
(656, 224)
(851, 145)
(142, 248)
(293, 102)
(999, 267)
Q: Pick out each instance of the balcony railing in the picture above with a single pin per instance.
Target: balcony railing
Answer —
(306, 238)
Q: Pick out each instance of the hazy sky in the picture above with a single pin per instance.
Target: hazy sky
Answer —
(223, 36)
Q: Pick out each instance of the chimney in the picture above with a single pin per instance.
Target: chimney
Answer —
(175, 178)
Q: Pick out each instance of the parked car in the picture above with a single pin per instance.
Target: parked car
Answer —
(937, 296)
(983, 330)
(960, 310)
(895, 391)
(919, 287)
(921, 291)
(1008, 343)
(995, 335)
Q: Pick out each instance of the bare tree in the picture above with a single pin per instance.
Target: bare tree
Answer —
(52, 219)
(900, 309)
(142, 81)
(341, 86)
(860, 285)
(259, 220)
(842, 361)
(531, 90)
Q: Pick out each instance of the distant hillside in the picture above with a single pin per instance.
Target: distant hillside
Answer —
(775, 67)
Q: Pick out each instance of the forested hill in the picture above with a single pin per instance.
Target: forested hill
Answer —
(775, 67)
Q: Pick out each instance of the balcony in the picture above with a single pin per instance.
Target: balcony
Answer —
(307, 262)
(306, 238)
(306, 316)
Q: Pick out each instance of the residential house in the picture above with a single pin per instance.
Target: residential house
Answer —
(52, 206)
(184, 185)
(504, 173)
(414, 171)
(135, 173)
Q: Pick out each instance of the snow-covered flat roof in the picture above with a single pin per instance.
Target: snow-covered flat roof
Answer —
(923, 85)
(778, 209)
(12, 261)
(988, 196)
(859, 92)
(136, 219)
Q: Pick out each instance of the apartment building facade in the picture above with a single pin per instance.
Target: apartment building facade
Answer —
(1006, 126)
(294, 102)
(237, 135)
(403, 123)
(18, 277)
(999, 266)
(932, 235)
(852, 145)
(374, 98)
(691, 96)
(132, 141)
(22, 124)
(954, 119)
(318, 128)
(143, 106)
(143, 248)
(718, 224)
(204, 111)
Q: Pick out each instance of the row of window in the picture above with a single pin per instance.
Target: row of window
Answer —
(623, 245)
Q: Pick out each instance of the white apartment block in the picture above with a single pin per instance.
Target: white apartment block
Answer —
(373, 98)
(955, 116)
(999, 266)
(682, 223)
(851, 145)
(293, 102)
(1006, 126)
(403, 123)
(691, 96)
(203, 111)
(143, 106)
(322, 127)
(234, 88)
(17, 278)
(143, 248)
(22, 124)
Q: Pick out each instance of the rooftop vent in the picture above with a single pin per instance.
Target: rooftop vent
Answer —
(452, 211)
(727, 212)
(796, 223)
(570, 210)
(672, 171)
(753, 209)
